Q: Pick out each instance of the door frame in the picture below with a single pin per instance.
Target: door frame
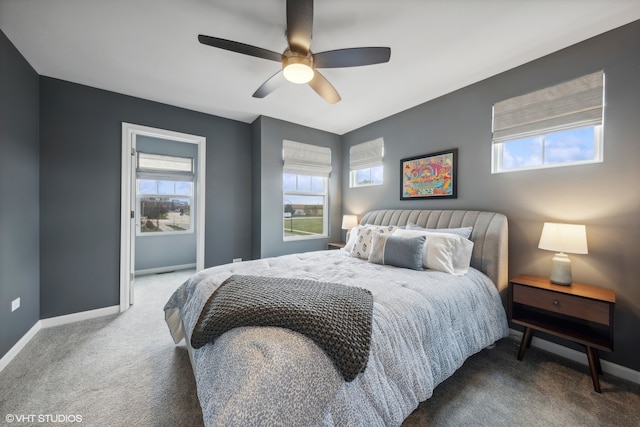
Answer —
(127, 223)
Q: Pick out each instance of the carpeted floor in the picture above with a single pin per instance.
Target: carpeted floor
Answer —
(124, 370)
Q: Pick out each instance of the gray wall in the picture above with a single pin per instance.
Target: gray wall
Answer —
(19, 170)
(256, 193)
(153, 251)
(267, 136)
(604, 196)
(80, 149)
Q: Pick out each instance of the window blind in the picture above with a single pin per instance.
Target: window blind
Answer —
(306, 159)
(568, 105)
(159, 166)
(366, 155)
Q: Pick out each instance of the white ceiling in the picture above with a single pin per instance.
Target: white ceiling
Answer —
(149, 49)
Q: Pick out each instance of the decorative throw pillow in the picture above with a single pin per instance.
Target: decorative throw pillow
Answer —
(450, 253)
(352, 235)
(461, 231)
(405, 252)
(362, 246)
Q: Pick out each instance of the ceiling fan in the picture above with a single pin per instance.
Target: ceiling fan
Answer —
(299, 63)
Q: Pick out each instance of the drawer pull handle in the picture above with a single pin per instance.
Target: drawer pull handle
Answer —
(556, 302)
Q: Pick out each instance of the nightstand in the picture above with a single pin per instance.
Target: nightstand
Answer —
(338, 245)
(580, 313)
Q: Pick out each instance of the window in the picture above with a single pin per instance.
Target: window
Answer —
(305, 190)
(365, 163)
(164, 194)
(366, 176)
(304, 206)
(558, 126)
(570, 147)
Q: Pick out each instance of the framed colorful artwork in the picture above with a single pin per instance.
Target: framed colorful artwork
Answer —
(430, 176)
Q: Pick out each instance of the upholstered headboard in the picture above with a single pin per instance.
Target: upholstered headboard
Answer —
(489, 235)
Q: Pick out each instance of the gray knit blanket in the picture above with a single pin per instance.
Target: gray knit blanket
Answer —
(335, 316)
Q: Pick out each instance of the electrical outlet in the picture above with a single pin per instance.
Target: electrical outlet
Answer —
(237, 259)
(15, 304)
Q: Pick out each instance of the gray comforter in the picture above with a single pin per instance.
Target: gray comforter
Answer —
(425, 324)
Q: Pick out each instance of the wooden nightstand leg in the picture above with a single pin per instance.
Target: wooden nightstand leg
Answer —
(526, 342)
(529, 337)
(598, 365)
(594, 363)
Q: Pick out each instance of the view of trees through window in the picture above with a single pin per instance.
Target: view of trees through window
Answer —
(164, 206)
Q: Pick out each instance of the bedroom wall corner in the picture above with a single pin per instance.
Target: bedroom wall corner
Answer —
(19, 192)
(256, 184)
(267, 146)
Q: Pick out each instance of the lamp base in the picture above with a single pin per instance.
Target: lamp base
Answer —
(561, 270)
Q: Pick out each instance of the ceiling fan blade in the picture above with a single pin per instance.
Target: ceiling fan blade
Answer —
(270, 85)
(299, 25)
(352, 57)
(245, 49)
(323, 88)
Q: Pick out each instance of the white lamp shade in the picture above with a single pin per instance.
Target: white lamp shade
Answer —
(569, 238)
(349, 221)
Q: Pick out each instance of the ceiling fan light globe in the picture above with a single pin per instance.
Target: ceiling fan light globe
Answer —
(297, 70)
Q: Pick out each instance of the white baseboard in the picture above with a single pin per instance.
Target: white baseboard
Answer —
(580, 357)
(51, 322)
(165, 269)
(78, 317)
(22, 342)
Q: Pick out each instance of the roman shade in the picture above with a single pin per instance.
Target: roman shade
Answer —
(572, 104)
(366, 155)
(306, 159)
(159, 166)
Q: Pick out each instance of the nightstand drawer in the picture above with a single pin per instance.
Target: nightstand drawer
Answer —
(570, 305)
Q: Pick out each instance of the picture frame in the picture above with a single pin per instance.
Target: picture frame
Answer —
(429, 176)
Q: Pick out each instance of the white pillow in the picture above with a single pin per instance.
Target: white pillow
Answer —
(351, 241)
(450, 253)
(462, 231)
(362, 247)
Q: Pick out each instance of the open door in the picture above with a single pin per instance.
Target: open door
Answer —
(132, 218)
(129, 216)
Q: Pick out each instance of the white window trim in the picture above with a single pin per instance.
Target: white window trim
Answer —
(325, 209)
(598, 157)
(353, 179)
(163, 174)
(307, 160)
(569, 105)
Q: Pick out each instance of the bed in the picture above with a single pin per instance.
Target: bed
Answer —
(424, 325)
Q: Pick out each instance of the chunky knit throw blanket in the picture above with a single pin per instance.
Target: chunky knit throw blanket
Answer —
(335, 316)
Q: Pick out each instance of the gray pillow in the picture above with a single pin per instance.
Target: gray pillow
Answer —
(461, 231)
(405, 252)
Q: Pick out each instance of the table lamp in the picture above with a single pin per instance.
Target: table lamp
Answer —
(571, 238)
(348, 222)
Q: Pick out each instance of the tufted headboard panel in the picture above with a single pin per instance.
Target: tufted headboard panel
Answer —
(489, 235)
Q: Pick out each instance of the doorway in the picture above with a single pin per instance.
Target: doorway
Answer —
(130, 215)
